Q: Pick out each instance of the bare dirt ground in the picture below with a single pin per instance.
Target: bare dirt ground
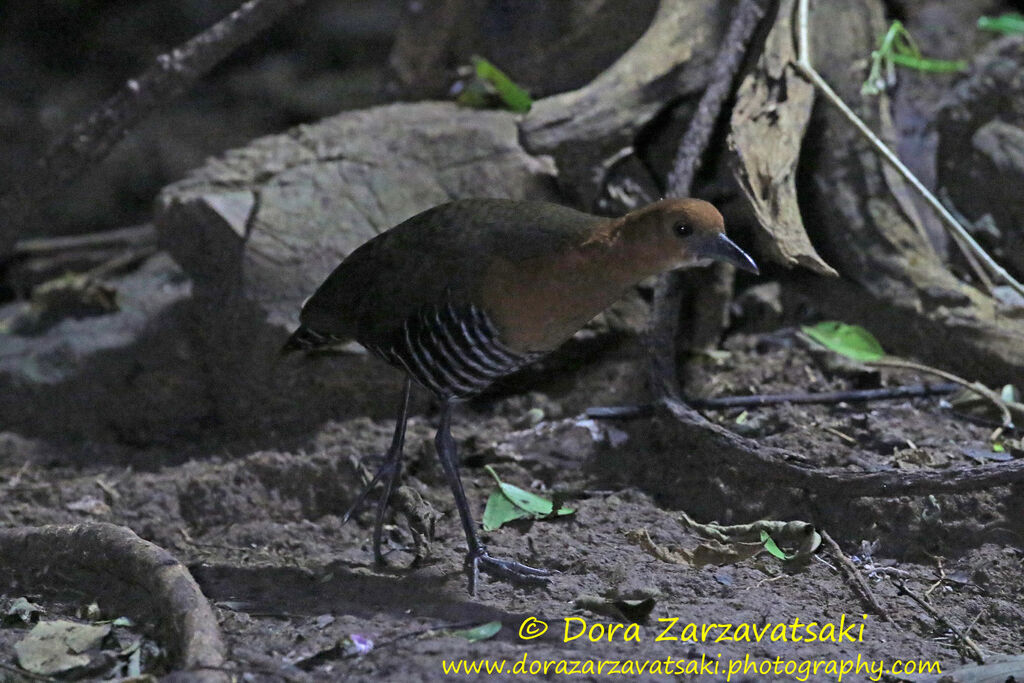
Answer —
(259, 526)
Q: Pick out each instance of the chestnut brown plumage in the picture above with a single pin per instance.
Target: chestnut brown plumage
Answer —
(472, 290)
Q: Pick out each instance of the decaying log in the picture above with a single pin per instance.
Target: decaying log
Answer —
(773, 108)
(587, 130)
(893, 280)
(97, 552)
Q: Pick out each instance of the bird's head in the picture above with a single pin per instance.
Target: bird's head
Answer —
(673, 233)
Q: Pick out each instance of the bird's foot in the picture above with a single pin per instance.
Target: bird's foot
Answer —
(479, 560)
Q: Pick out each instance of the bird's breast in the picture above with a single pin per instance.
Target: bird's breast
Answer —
(538, 304)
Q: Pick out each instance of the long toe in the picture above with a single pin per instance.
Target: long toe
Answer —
(509, 570)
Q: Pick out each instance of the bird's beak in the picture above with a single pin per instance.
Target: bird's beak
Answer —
(721, 248)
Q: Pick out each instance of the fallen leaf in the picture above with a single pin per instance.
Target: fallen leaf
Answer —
(21, 611)
(852, 341)
(478, 633)
(517, 504)
(53, 647)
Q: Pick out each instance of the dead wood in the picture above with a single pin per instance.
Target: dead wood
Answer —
(38, 260)
(893, 282)
(854, 577)
(711, 307)
(99, 551)
(589, 129)
(267, 222)
(773, 108)
(88, 142)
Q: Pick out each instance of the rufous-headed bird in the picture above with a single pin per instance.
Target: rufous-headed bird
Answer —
(473, 290)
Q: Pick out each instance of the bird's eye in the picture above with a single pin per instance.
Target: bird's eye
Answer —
(682, 229)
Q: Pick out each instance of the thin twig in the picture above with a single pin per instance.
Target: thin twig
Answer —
(854, 576)
(965, 645)
(89, 141)
(137, 236)
(959, 233)
(758, 400)
(744, 21)
(668, 292)
(977, 387)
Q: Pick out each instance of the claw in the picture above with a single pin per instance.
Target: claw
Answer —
(508, 570)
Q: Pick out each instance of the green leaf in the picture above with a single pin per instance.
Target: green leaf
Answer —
(1011, 22)
(500, 510)
(771, 547)
(511, 502)
(514, 97)
(851, 341)
(998, 448)
(478, 633)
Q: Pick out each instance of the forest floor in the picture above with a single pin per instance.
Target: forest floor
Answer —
(262, 534)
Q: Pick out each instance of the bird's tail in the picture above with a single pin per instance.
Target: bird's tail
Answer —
(307, 339)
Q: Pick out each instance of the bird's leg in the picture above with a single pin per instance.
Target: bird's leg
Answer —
(477, 559)
(391, 468)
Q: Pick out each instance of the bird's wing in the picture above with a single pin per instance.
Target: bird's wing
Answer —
(436, 258)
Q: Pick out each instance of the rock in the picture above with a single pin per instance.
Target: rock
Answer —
(269, 221)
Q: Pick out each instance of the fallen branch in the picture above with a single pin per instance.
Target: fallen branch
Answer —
(965, 645)
(89, 141)
(668, 292)
(759, 400)
(960, 235)
(191, 633)
(136, 236)
(1003, 406)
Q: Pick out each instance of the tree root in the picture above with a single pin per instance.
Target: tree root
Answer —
(681, 424)
(189, 627)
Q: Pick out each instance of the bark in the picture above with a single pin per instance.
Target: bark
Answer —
(893, 281)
